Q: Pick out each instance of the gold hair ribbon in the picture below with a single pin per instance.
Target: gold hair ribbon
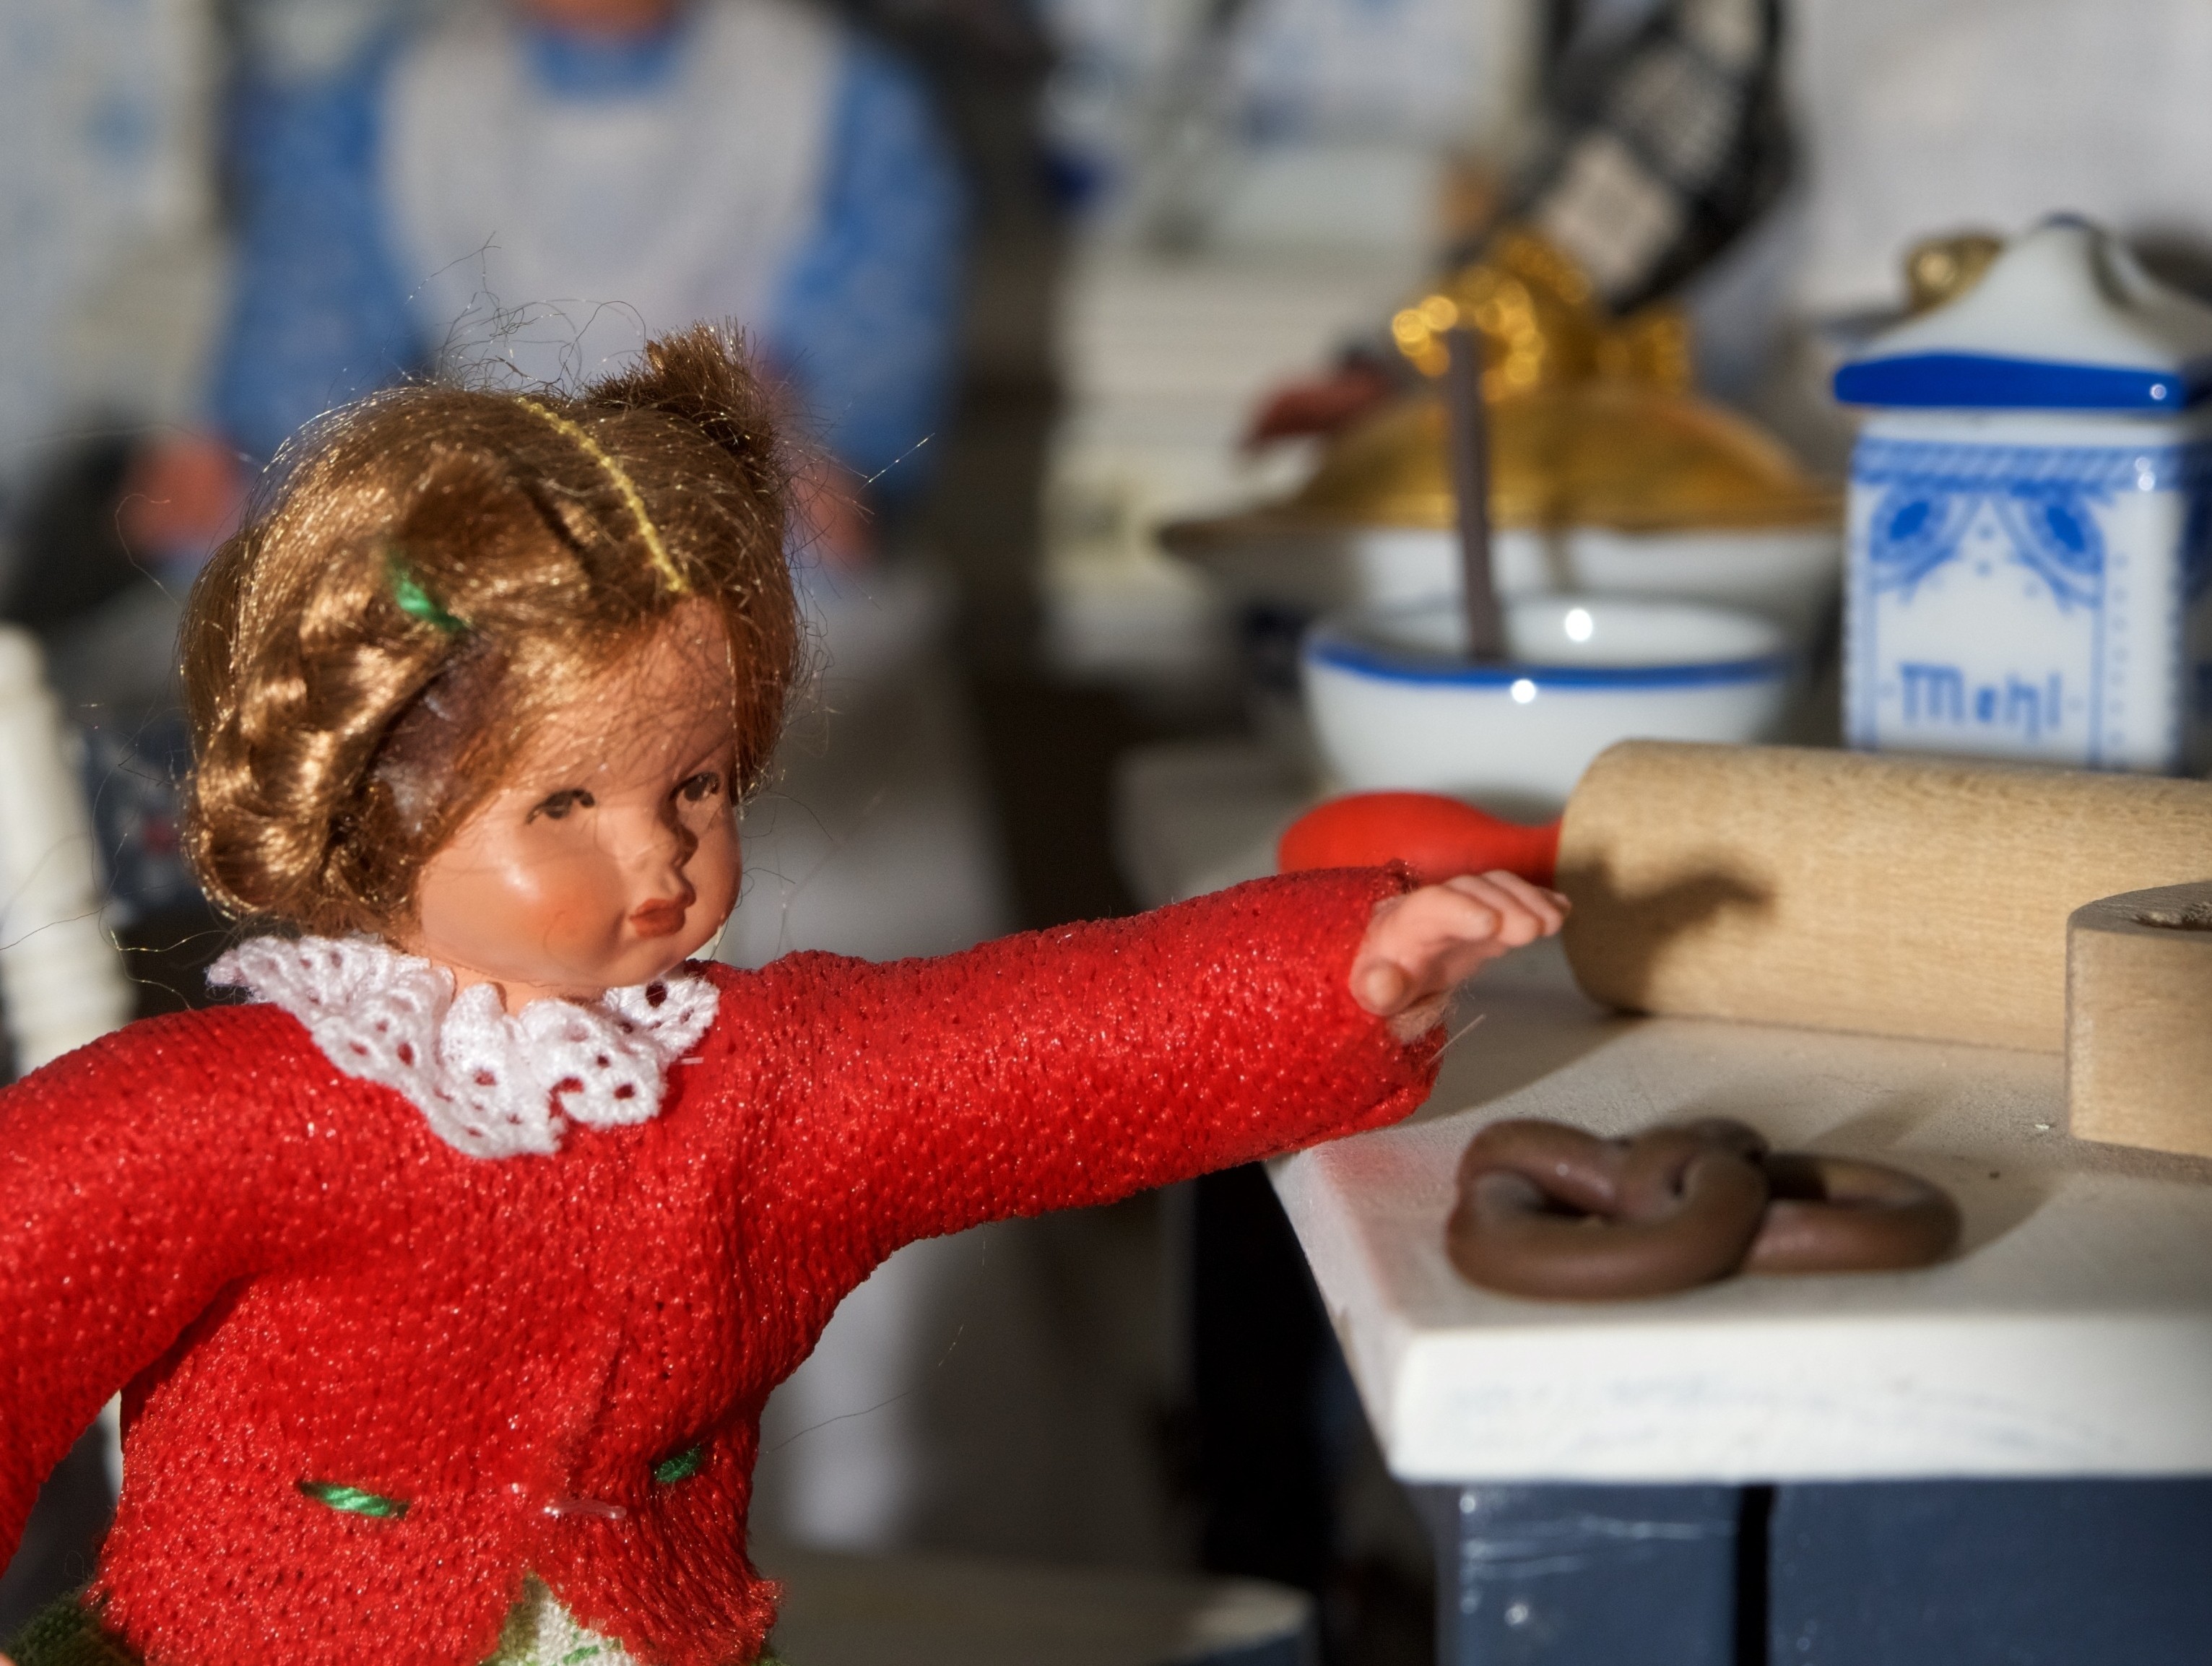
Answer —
(663, 563)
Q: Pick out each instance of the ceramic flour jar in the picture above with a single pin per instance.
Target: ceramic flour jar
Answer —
(2029, 568)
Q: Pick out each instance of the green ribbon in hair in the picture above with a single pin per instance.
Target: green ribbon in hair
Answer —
(415, 601)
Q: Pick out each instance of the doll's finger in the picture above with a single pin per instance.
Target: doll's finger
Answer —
(1434, 922)
(1408, 928)
(1379, 985)
(1511, 924)
(1524, 912)
(1547, 905)
(1516, 925)
(1503, 881)
(1470, 909)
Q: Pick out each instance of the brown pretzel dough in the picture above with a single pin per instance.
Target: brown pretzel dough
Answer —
(1672, 1209)
(1549, 1211)
(1833, 1214)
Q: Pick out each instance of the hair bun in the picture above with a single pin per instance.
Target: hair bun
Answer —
(705, 376)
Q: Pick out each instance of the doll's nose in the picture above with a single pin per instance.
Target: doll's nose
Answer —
(659, 893)
(687, 840)
(664, 847)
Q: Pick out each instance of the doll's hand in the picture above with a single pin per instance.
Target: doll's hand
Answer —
(183, 495)
(1322, 405)
(1421, 945)
(832, 519)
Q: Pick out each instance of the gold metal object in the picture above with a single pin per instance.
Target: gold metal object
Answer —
(1530, 304)
(1942, 269)
(1617, 454)
(1593, 423)
(1599, 453)
(1541, 323)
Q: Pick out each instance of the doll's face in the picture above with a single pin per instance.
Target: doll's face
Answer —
(609, 854)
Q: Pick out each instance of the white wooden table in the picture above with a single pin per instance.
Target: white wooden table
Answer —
(2070, 1339)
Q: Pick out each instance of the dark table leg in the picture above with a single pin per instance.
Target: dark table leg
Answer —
(1586, 1576)
(1992, 1573)
(1875, 1574)
(1259, 1346)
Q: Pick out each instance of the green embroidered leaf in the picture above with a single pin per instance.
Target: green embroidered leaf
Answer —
(353, 1501)
(684, 1465)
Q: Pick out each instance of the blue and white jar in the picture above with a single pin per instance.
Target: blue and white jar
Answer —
(2030, 522)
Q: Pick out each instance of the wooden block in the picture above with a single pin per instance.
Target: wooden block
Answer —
(1846, 890)
(2139, 1020)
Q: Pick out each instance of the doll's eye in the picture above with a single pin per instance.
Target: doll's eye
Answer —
(703, 785)
(560, 803)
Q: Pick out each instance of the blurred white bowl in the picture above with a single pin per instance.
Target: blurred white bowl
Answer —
(1395, 704)
(1792, 575)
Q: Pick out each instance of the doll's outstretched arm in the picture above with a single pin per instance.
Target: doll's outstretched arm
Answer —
(1068, 1067)
(133, 1189)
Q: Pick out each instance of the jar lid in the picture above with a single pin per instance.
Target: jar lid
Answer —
(2066, 319)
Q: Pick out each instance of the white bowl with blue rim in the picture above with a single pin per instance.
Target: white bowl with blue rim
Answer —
(2029, 535)
(1395, 703)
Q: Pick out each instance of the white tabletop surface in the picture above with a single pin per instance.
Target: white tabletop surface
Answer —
(2071, 1336)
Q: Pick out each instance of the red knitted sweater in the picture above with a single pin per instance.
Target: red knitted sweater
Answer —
(301, 1285)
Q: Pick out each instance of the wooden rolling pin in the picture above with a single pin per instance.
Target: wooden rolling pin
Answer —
(1903, 895)
(2139, 1020)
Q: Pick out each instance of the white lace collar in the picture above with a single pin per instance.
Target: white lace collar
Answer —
(488, 1084)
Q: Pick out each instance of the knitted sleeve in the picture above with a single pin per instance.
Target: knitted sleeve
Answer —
(1068, 1067)
(138, 1178)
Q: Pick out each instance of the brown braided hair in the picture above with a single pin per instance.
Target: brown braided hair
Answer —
(435, 568)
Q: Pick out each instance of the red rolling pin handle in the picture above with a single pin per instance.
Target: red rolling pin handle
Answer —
(1436, 837)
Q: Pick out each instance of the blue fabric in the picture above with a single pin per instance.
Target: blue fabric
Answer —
(866, 319)
(319, 314)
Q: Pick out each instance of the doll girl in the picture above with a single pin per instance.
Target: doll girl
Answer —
(448, 1273)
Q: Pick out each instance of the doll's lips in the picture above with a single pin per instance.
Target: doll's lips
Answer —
(660, 918)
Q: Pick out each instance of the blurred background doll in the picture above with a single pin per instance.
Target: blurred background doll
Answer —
(448, 1318)
(538, 185)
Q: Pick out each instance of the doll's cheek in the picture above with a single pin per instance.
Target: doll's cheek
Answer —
(543, 892)
(503, 915)
(714, 872)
